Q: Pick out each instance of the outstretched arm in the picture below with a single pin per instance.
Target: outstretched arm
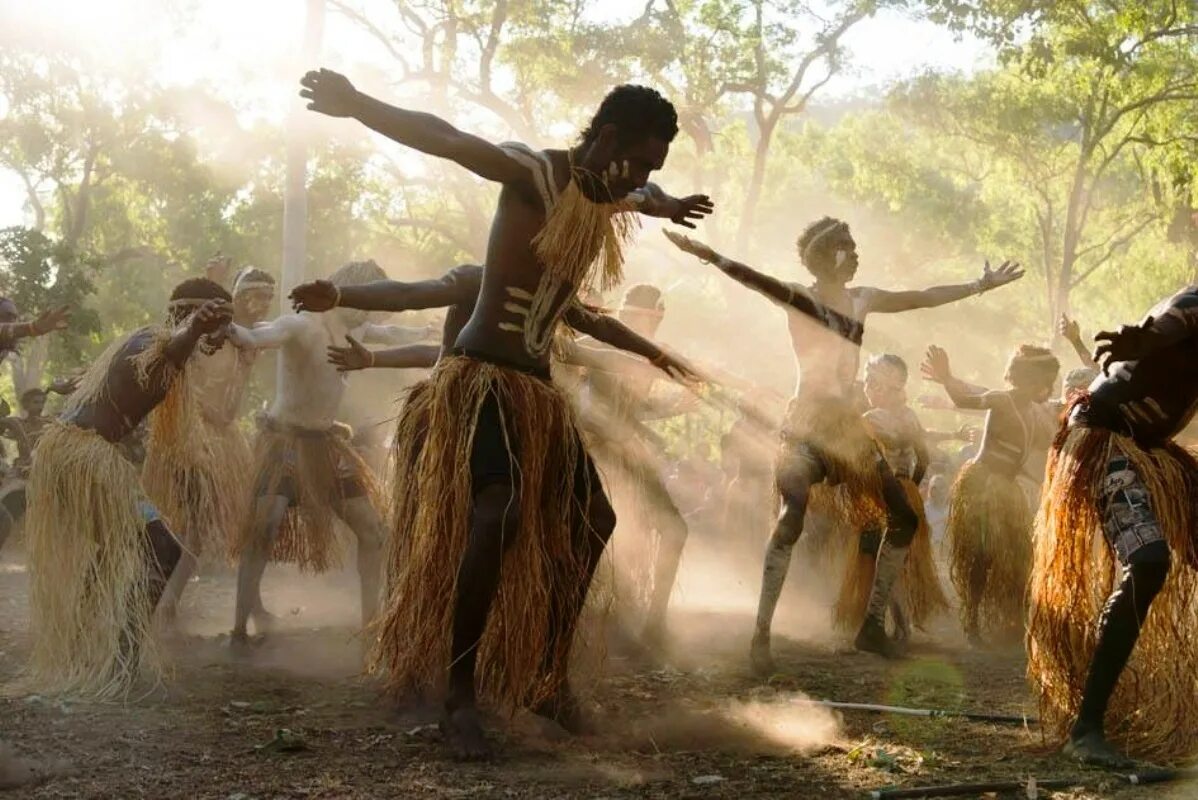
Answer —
(265, 336)
(781, 293)
(455, 286)
(884, 302)
(53, 320)
(395, 335)
(1071, 332)
(1176, 322)
(611, 331)
(354, 356)
(331, 93)
(936, 368)
(655, 202)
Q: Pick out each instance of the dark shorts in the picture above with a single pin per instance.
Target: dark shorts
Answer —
(491, 462)
(1128, 521)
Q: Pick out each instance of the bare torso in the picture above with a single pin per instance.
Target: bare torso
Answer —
(308, 388)
(221, 380)
(827, 360)
(125, 402)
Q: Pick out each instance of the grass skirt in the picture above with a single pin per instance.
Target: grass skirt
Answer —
(1154, 710)
(316, 466)
(432, 498)
(200, 489)
(919, 587)
(833, 427)
(990, 549)
(88, 563)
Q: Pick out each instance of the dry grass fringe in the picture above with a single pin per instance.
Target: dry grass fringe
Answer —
(581, 237)
(989, 533)
(89, 569)
(1154, 711)
(430, 519)
(318, 463)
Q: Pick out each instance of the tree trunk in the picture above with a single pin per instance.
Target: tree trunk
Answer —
(295, 197)
(748, 213)
(28, 363)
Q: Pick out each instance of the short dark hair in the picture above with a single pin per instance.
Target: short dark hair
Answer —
(200, 289)
(891, 361)
(644, 295)
(817, 231)
(638, 112)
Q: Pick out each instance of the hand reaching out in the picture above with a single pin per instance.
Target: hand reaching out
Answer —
(350, 358)
(694, 207)
(314, 296)
(1008, 272)
(329, 93)
(56, 319)
(1129, 343)
(212, 316)
(935, 366)
(692, 246)
(1068, 329)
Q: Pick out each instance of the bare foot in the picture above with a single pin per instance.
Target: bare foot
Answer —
(872, 638)
(264, 621)
(1092, 748)
(760, 659)
(566, 711)
(463, 732)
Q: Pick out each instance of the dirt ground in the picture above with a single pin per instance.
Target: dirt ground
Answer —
(296, 720)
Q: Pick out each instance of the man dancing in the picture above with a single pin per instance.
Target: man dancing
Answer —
(307, 470)
(1115, 469)
(492, 572)
(990, 517)
(825, 441)
(200, 488)
(99, 554)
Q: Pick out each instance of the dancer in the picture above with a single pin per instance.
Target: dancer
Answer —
(26, 430)
(1116, 470)
(489, 411)
(990, 518)
(200, 488)
(306, 470)
(902, 440)
(631, 457)
(99, 554)
(825, 441)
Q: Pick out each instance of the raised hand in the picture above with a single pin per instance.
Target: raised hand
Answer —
(314, 296)
(935, 366)
(1009, 272)
(329, 93)
(1069, 329)
(694, 207)
(212, 316)
(692, 246)
(353, 357)
(54, 320)
(1129, 343)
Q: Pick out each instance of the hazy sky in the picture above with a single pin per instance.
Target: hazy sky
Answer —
(249, 47)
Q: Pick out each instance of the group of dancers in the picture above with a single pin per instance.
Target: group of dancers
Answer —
(476, 555)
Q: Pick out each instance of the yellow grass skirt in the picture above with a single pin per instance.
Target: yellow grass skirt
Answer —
(989, 532)
(1154, 710)
(88, 563)
(201, 488)
(919, 588)
(318, 464)
(432, 498)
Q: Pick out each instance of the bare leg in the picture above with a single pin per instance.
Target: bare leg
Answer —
(591, 534)
(797, 473)
(493, 526)
(7, 523)
(672, 530)
(163, 556)
(363, 520)
(971, 603)
(186, 568)
(13, 509)
(901, 525)
(268, 517)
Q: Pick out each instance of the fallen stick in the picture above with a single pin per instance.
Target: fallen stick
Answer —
(962, 789)
(934, 713)
(1144, 778)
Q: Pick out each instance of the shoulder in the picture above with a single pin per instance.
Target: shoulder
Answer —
(540, 166)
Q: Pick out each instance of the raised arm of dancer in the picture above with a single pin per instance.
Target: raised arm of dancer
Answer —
(208, 318)
(936, 368)
(447, 290)
(610, 331)
(53, 320)
(354, 356)
(1071, 332)
(880, 301)
(267, 335)
(794, 297)
(684, 211)
(331, 93)
(605, 359)
(1169, 324)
